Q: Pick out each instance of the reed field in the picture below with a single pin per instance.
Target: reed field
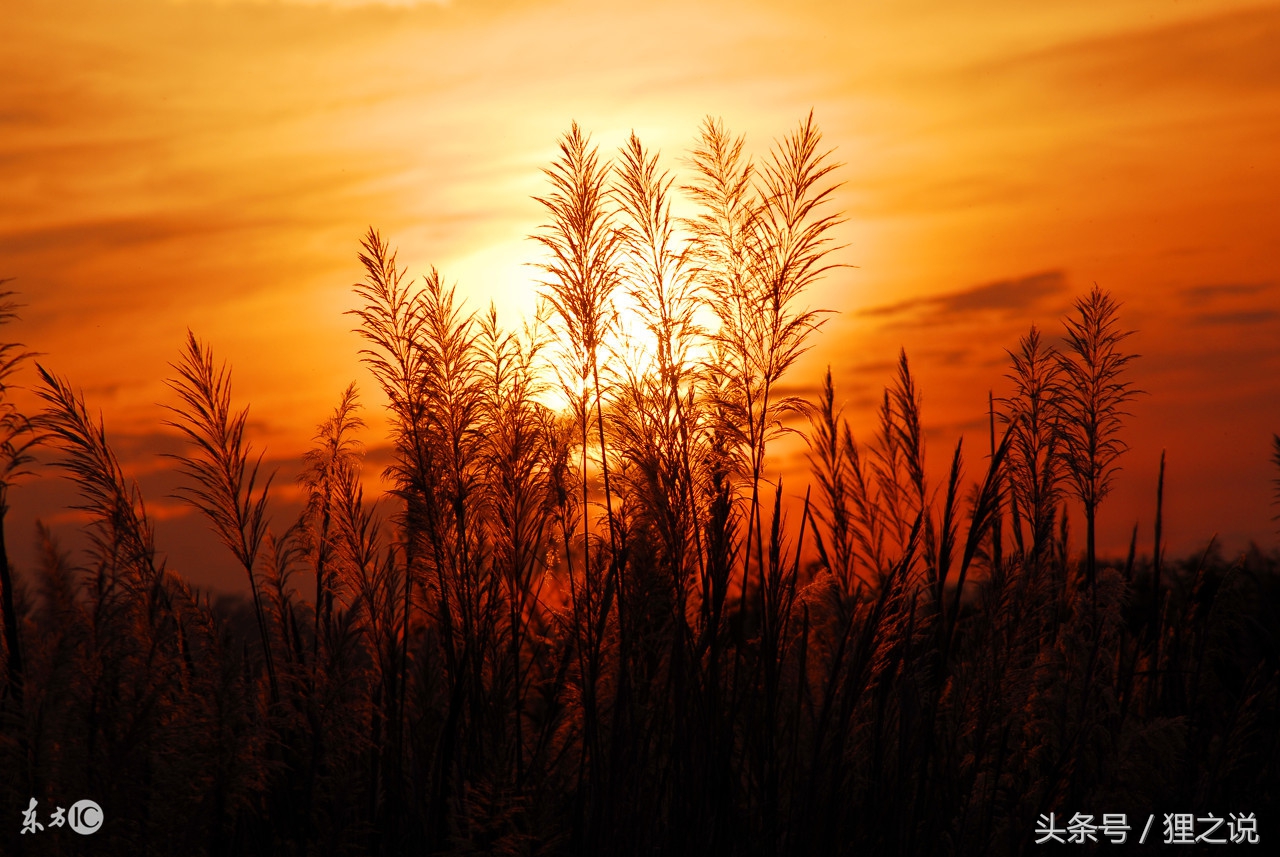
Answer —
(588, 617)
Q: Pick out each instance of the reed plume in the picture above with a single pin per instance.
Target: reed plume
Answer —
(1095, 392)
(223, 475)
(122, 539)
(329, 465)
(761, 239)
(1034, 415)
(582, 243)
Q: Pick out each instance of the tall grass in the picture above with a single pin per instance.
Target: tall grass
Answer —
(17, 437)
(1275, 458)
(606, 626)
(582, 268)
(1094, 397)
(1035, 416)
(222, 481)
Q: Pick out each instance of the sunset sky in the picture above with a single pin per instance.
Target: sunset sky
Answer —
(213, 165)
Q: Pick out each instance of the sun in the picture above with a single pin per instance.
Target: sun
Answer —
(633, 341)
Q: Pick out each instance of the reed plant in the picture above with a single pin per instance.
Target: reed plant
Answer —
(605, 625)
(1275, 459)
(1094, 396)
(1035, 414)
(18, 436)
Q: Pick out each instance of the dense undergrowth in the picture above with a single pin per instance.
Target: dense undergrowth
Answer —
(586, 622)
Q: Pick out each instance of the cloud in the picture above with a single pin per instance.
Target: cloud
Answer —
(1227, 54)
(1240, 317)
(1212, 292)
(1230, 304)
(1001, 297)
(87, 238)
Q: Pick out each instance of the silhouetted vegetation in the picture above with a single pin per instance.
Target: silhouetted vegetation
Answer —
(586, 620)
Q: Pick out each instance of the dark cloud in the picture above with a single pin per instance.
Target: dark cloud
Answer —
(952, 432)
(1239, 317)
(1002, 297)
(1210, 292)
(957, 356)
(1230, 304)
(874, 367)
(96, 236)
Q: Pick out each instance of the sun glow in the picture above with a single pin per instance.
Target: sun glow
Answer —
(634, 342)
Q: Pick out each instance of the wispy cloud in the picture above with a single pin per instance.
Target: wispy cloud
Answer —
(1239, 317)
(1003, 298)
(1201, 295)
(1227, 52)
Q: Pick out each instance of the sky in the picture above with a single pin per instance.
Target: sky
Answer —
(212, 165)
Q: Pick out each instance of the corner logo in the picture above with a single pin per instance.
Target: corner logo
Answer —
(85, 817)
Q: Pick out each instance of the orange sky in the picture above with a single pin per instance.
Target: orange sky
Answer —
(212, 165)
